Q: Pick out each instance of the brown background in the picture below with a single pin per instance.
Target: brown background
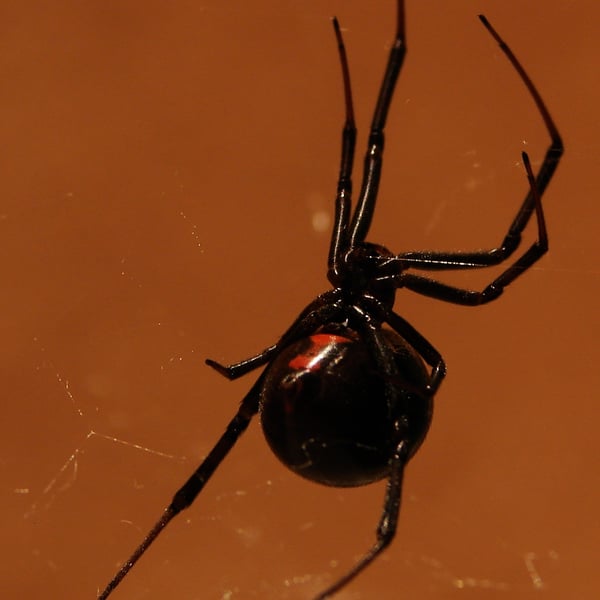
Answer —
(162, 165)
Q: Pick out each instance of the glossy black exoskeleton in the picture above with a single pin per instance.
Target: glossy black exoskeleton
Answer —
(347, 393)
(328, 411)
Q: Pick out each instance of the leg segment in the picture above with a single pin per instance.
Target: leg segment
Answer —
(240, 369)
(339, 238)
(194, 485)
(431, 356)
(532, 201)
(363, 213)
(318, 312)
(441, 291)
(387, 524)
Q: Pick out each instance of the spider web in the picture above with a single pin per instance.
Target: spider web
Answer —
(66, 474)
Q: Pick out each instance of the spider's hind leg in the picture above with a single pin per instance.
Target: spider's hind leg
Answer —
(386, 530)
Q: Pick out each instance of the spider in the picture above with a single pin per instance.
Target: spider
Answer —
(346, 397)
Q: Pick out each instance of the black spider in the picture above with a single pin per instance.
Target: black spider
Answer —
(343, 400)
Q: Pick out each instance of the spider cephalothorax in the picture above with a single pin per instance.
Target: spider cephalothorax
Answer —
(369, 269)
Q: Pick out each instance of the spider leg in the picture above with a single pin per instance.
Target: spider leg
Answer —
(339, 241)
(387, 524)
(240, 369)
(456, 295)
(320, 311)
(448, 261)
(194, 485)
(371, 332)
(416, 340)
(532, 201)
(431, 356)
(363, 214)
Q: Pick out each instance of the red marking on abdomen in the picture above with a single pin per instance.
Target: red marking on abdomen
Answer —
(314, 354)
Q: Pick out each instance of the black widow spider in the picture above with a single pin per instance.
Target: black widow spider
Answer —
(343, 400)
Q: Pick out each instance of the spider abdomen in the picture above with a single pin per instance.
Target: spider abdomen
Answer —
(330, 415)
